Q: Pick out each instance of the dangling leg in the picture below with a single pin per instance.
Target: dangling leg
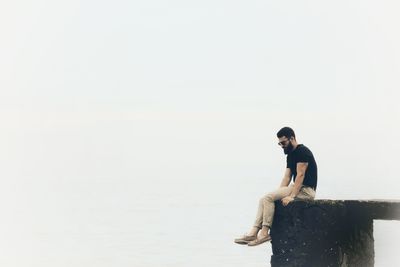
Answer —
(264, 222)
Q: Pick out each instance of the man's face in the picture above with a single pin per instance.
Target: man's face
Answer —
(286, 144)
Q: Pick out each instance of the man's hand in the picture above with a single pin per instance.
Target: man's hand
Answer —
(287, 200)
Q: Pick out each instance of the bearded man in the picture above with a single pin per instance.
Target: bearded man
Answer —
(302, 168)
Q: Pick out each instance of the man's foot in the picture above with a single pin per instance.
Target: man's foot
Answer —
(244, 240)
(259, 240)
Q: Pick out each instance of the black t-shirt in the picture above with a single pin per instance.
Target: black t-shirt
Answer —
(303, 154)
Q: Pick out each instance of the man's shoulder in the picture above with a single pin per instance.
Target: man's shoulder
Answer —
(303, 149)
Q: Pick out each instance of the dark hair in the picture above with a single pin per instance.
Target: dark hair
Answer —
(286, 131)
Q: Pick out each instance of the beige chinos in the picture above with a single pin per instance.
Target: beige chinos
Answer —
(266, 206)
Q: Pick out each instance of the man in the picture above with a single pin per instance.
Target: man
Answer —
(301, 166)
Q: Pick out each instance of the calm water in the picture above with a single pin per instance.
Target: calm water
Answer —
(120, 222)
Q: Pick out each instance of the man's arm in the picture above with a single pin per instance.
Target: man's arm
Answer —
(301, 171)
(286, 178)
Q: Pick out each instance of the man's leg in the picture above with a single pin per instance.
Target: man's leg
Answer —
(306, 193)
(266, 208)
(265, 214)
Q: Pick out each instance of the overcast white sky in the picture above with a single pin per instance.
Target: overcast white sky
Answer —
(151, 90)
(204, 82)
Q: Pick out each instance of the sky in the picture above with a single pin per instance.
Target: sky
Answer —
(207, 82)
(149, 91)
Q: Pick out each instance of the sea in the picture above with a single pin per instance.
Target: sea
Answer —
(142, 222)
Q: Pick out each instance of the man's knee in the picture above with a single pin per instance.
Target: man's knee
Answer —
(267, 199)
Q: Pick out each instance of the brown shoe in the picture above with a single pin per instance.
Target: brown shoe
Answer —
(259, 241)
(245, 239)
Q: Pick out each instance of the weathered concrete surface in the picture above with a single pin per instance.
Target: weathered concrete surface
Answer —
(327, 233)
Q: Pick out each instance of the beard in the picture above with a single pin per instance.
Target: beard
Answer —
(288, 149)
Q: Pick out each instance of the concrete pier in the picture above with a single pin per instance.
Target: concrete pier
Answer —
(327, 232)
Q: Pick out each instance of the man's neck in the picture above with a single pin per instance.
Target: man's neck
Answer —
(295, 144)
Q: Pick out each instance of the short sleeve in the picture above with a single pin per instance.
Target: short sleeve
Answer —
(304, 155)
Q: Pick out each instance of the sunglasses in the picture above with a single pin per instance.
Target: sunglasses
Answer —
(284, 142)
